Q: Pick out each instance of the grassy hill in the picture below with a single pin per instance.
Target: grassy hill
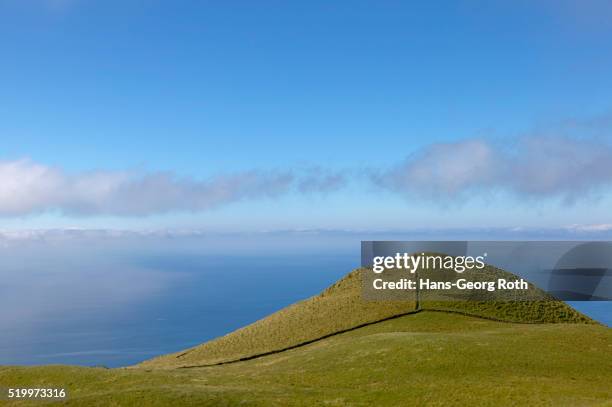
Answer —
(341, 307)
(337, 349)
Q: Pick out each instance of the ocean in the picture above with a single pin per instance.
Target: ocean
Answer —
(121, 316)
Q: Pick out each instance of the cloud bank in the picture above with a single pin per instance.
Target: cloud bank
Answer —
(27, 187)
(539, 167)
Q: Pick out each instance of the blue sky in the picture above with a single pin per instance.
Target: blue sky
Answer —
(236, 116)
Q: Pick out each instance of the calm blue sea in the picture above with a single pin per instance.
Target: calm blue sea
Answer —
(120, 311)
(121, 317)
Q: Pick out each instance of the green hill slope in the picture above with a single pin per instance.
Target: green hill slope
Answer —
(428, 358)
(338, 308)
(341, 307)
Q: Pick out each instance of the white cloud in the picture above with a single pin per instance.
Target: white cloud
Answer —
(444, 169)
(27, 187)
(538, 166)
(598, 227)
(318, 179)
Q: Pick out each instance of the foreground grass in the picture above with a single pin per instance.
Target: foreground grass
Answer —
(427, 358)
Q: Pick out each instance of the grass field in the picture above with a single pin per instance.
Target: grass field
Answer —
(338, 349)
(427, 358)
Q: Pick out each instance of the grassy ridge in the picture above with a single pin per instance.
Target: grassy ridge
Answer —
(525, 312)
(341, 307)
(427, 358)
(531, 306)
(337, 308)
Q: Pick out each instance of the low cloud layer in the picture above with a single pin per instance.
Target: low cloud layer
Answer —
(540, 167)
(27, 187)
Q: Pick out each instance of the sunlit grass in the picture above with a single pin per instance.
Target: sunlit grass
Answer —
(426, 358)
